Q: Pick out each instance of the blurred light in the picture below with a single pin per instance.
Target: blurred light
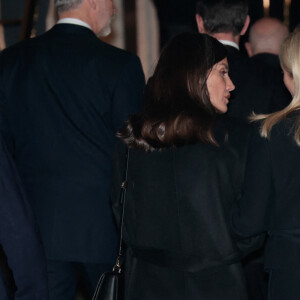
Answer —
(266, 4)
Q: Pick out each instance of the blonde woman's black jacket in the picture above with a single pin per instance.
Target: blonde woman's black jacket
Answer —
(177, 214)
(270, 202)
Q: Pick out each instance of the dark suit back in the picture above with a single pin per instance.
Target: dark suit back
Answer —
(66, 94)
(270, 66)
(177, 218)
(257, 88)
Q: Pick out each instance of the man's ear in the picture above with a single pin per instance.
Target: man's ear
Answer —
(246, 25)
(248, 49)
(92, 3)
(200, 24)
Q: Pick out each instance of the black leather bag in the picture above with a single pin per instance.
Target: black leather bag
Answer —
(109, 287)
(110, 284)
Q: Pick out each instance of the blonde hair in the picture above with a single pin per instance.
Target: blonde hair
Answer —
(290, 61)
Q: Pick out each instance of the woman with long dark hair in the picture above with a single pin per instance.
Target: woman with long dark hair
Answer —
(185, 169)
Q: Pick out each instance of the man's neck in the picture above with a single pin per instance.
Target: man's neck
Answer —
(227, 36)
(75, 14)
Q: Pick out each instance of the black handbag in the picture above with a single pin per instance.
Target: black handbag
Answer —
(110, 286)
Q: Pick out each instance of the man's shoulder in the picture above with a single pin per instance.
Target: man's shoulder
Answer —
(248, 70)
(18, 48)
(15, 48)
(87, 42)
(114, 52)
(240, 67)
(82, 44)
(267, 58)
(237, 58)
(84, 39)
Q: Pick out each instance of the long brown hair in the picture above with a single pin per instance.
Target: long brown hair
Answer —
(177, 109)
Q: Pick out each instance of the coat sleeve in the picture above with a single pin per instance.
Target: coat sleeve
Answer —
(18, 234)
(128, 92)
(250, 213)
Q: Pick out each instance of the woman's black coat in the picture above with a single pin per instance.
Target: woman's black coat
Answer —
(177, 218)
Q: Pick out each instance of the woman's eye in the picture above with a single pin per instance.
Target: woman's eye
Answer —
(224, 72)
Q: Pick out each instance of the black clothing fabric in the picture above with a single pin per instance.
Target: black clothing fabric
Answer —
(269, 60)
(284, 286)
(259, 89)
(64, 96)
(63, 278)
(270, 202)
(177, 218)
(271, 67)
(19, 238)
(256, 89)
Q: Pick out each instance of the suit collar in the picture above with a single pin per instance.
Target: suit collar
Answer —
(72, 29)
(74, 21)
(230, 43)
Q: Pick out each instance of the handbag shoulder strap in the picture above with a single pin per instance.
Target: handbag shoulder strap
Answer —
(117, 266)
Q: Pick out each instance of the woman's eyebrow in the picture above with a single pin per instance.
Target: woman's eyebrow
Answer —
(225, 65)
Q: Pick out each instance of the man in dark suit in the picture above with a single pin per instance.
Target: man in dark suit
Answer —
(65, 94)
(227, 21)
(265, 38)
(19, 239)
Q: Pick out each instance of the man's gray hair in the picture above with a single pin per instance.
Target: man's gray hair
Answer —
(65, 5)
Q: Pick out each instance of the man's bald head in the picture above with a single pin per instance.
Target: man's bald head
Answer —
(266, 36)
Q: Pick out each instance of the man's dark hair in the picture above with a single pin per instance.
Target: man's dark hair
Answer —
(223, 15)
(177, 108)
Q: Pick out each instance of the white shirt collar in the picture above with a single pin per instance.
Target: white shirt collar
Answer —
(74, 21)
(230, 43)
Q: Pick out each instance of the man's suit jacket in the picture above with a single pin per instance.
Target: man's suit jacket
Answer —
(65, 94)
(256, 87)
(19, 237)
(271, 67)
(177, 214)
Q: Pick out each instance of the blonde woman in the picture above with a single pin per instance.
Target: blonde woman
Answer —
(271, 199)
